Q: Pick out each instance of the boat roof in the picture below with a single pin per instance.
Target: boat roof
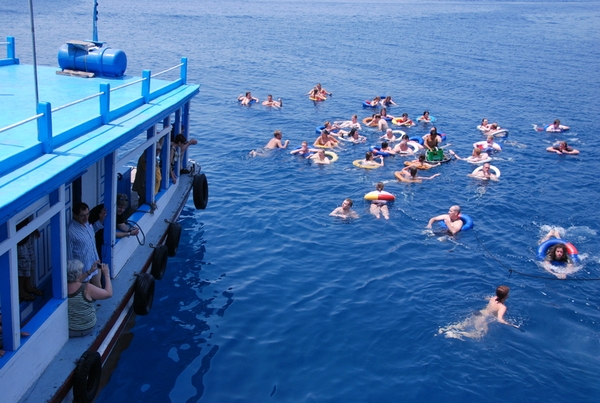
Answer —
(79, 136)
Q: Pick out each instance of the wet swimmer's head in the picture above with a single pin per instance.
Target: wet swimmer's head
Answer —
(277, 134)
(369, 156)
(433, 131)
(426, 113)
(454, 213)
(384, 145)
(502, 293)
(379, 186)
(422, 158)
(405, 115)
(352, 132)
(404, 137)
(413, 172)
(558, 253)
(484, 122)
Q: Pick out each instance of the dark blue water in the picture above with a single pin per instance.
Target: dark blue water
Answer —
(272, 299)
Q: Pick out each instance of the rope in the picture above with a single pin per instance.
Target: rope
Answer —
(511, 270)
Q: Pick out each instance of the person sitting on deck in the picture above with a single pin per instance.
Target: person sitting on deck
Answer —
(81, 309)
(139, 183)
(123, 228)
(178, 147)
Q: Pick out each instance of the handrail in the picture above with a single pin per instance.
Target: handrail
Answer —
(22, 122)
(104, 101)
(4, 43)
(77, 102)
(166, 71)
(128, 84)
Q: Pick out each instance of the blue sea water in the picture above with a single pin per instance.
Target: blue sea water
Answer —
(269, 298)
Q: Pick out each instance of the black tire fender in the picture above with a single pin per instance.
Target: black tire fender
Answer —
(173, 236)
(144, 294)
(200, 191)
(159, 262)
(86, 377)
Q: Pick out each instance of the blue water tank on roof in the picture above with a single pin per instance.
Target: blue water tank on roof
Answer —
(92, 57)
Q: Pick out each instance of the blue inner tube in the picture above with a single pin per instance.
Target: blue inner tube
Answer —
(376, 151)
(556, 131)
(252, 101)
(319, 129)
(467, 222)
(308, 154)
(388, 118)
(543, 249)
(443, 136)
(368, 104)
(417, 139)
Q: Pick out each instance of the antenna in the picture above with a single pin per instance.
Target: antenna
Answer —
(95, 22)
(35, 77)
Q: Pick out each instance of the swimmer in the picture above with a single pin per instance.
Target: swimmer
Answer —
(345, 211)
(246, 99)
(320, 158)
(389, 136)
(375, 102)
(354, 137)
(385, 147)
(404, 121)
(304, 151)
(432, 140)
(270, 102)
(425, 118)
(370, 160)
(325, 140)
(476, 325)
(403, 148)
(476, 157)
(379, 207)
(384, 114)
(420, 163)
(484, 173)
(451, 219)
(562, 148)
(488, 145)
(275, 142)
(320, 91)
(557, 254)
(484, 126)
(492, 129)
(349, 124)
(314, 95)
(331, 128)
(411, 173)
(388, 101)
(556, 127)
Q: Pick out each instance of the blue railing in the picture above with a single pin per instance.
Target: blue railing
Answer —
(48, 140)
(10, 52)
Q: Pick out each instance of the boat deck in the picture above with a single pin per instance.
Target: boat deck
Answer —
(78, 132)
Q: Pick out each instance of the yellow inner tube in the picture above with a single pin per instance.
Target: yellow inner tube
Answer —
(359, 164)
(332, 156)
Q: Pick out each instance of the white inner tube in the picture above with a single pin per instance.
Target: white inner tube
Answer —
(400, 132)
(492, 168)
(413, 146)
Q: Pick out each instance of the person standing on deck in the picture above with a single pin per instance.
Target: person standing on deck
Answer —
(81, 242)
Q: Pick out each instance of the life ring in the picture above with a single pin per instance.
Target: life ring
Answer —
(252, 101)
(367, 104)
(387, 118)
(402, 122)
(467, 222)
(367, 120)
(319, 129)
(571, 249)
(159, 261)
(492, 167)
(400, 132)
(383, 195)
(173, 236)
(200, 189)
(417, 139)
(486, 148)
(483, 128)
(431, 119)
(402, 178)
(417, 165)
(443, 136)
(359, 164)
(499, 133)
(86, 377)
(321, 146)
(144, 294)
(559, 130)
(316, 99)
(377, 151)
(333, 157)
